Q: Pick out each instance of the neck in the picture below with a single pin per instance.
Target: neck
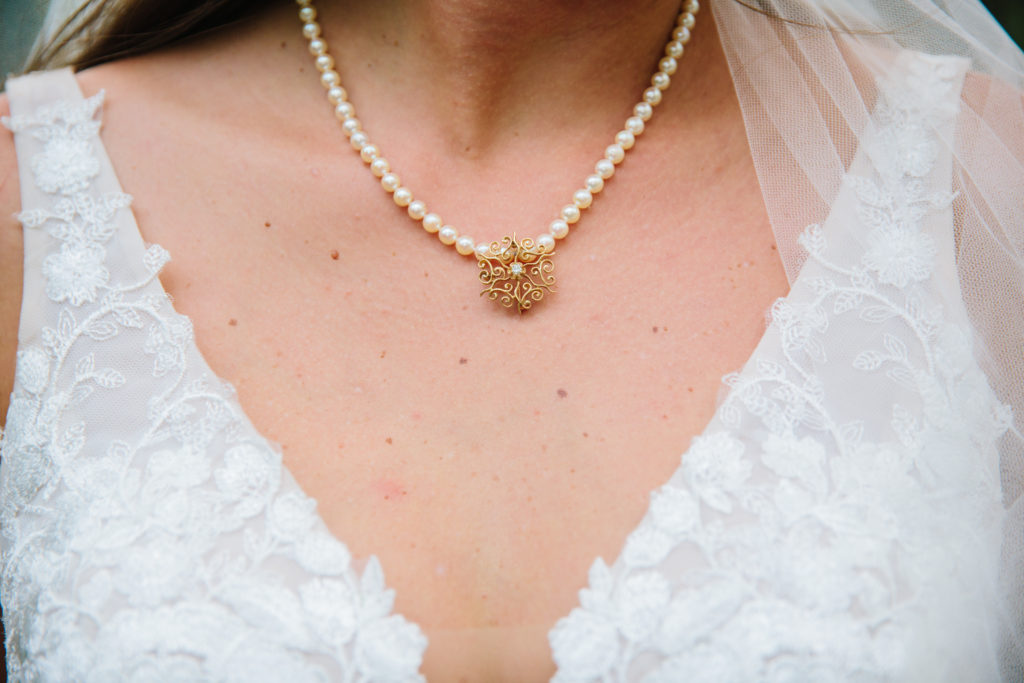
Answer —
(476, 71)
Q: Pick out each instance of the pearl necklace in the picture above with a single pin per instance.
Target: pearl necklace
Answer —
(515, 272)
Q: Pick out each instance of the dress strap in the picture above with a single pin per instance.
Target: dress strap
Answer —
(79, 236)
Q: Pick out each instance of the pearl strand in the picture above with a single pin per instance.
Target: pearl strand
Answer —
(571, 213)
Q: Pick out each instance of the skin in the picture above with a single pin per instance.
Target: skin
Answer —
(486, 458)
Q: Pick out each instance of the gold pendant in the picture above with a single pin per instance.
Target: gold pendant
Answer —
(516, 272)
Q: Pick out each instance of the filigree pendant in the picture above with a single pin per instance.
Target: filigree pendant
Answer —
(516, 272)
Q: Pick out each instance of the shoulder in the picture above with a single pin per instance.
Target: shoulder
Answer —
(10, 260)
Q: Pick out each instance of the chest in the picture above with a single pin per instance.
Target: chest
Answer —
(486, 458)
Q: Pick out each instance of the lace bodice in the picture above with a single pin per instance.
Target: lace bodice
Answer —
(839, 518)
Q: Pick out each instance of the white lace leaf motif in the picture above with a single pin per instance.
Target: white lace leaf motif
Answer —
(834, 521)
(147, 531)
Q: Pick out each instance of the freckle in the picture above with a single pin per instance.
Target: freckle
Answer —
(536, 412)
(334, 254)
(232, 322)
(664, 329)
(463, 361)
(417, 416)
(266, 224)
(283, 44)
(387, 440)
(340, 446)
(664, 417)
(383, 353)
(279, 353)
(426, 274)
(690, 389)
(572, 471)
(654, 329)
(562, 393)
(585, 435)
(774, 248)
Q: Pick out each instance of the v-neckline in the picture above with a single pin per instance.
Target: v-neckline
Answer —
(131, 233)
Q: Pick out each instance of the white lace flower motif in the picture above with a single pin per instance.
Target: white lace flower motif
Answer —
(674, 510)
(715, 467)
(584, 645)
(800, 459)
(66, 164)
(249, 477)
(75, 273)
(330, 605)
(167, 342)
(900, 256)
(390, 649)
(33, 370)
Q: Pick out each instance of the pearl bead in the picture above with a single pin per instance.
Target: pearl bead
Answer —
(464, 245)
(317, 47)
(558, 229)
(482, 250)
(311, 30)
(674, 49)
(402, 196)
(417, 210)
(344, 110)
(431, 222)
(691, 6)
(447, 235)
(390, 182)
(635, 125)
(668, 65)
(605, 169)
(614, 153)
(358, 140)
(336, 95)
(307, 14)
(350, 126)
(324, 62)
(330, 78)
(582, 198)
(681, 35)
(594, 183)
(380, 166)
(570, 213)
(625, 139)
(644, 111)
(688, 21)
(660, 80)
(369, 153)
(546, 242)
(652, 96)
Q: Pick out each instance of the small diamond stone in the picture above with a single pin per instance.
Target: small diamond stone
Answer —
(516, 268)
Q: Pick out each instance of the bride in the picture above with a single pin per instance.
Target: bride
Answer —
(397, 410)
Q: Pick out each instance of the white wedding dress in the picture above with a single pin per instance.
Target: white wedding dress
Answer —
(840, 519)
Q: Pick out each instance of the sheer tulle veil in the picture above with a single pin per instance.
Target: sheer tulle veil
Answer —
(806, 74)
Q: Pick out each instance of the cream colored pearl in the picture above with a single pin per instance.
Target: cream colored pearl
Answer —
(582, 198)
(644, 111)
(447, 235)
(464, 245)
(390, 182)
(431, 222)
(350, 126)
(337, 95)
(380, 166)
(324, 62)
(417, 210)
(546, 242)
(482, 250)
(688, 21)
(594, 183)
(369, 153)
(330, 78)
(343, 111)
(681, 35)
(605, 169)
(614, 153)
(311, 30)
(570, 213)
(625, 139)
(307, 14)
(558, 229)
(402, 196)
(674, 49)
(635, 125)
(358, 140)
(660, 80)
(652, 96)
(317, 47)
(669, 65)
(691, 6)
